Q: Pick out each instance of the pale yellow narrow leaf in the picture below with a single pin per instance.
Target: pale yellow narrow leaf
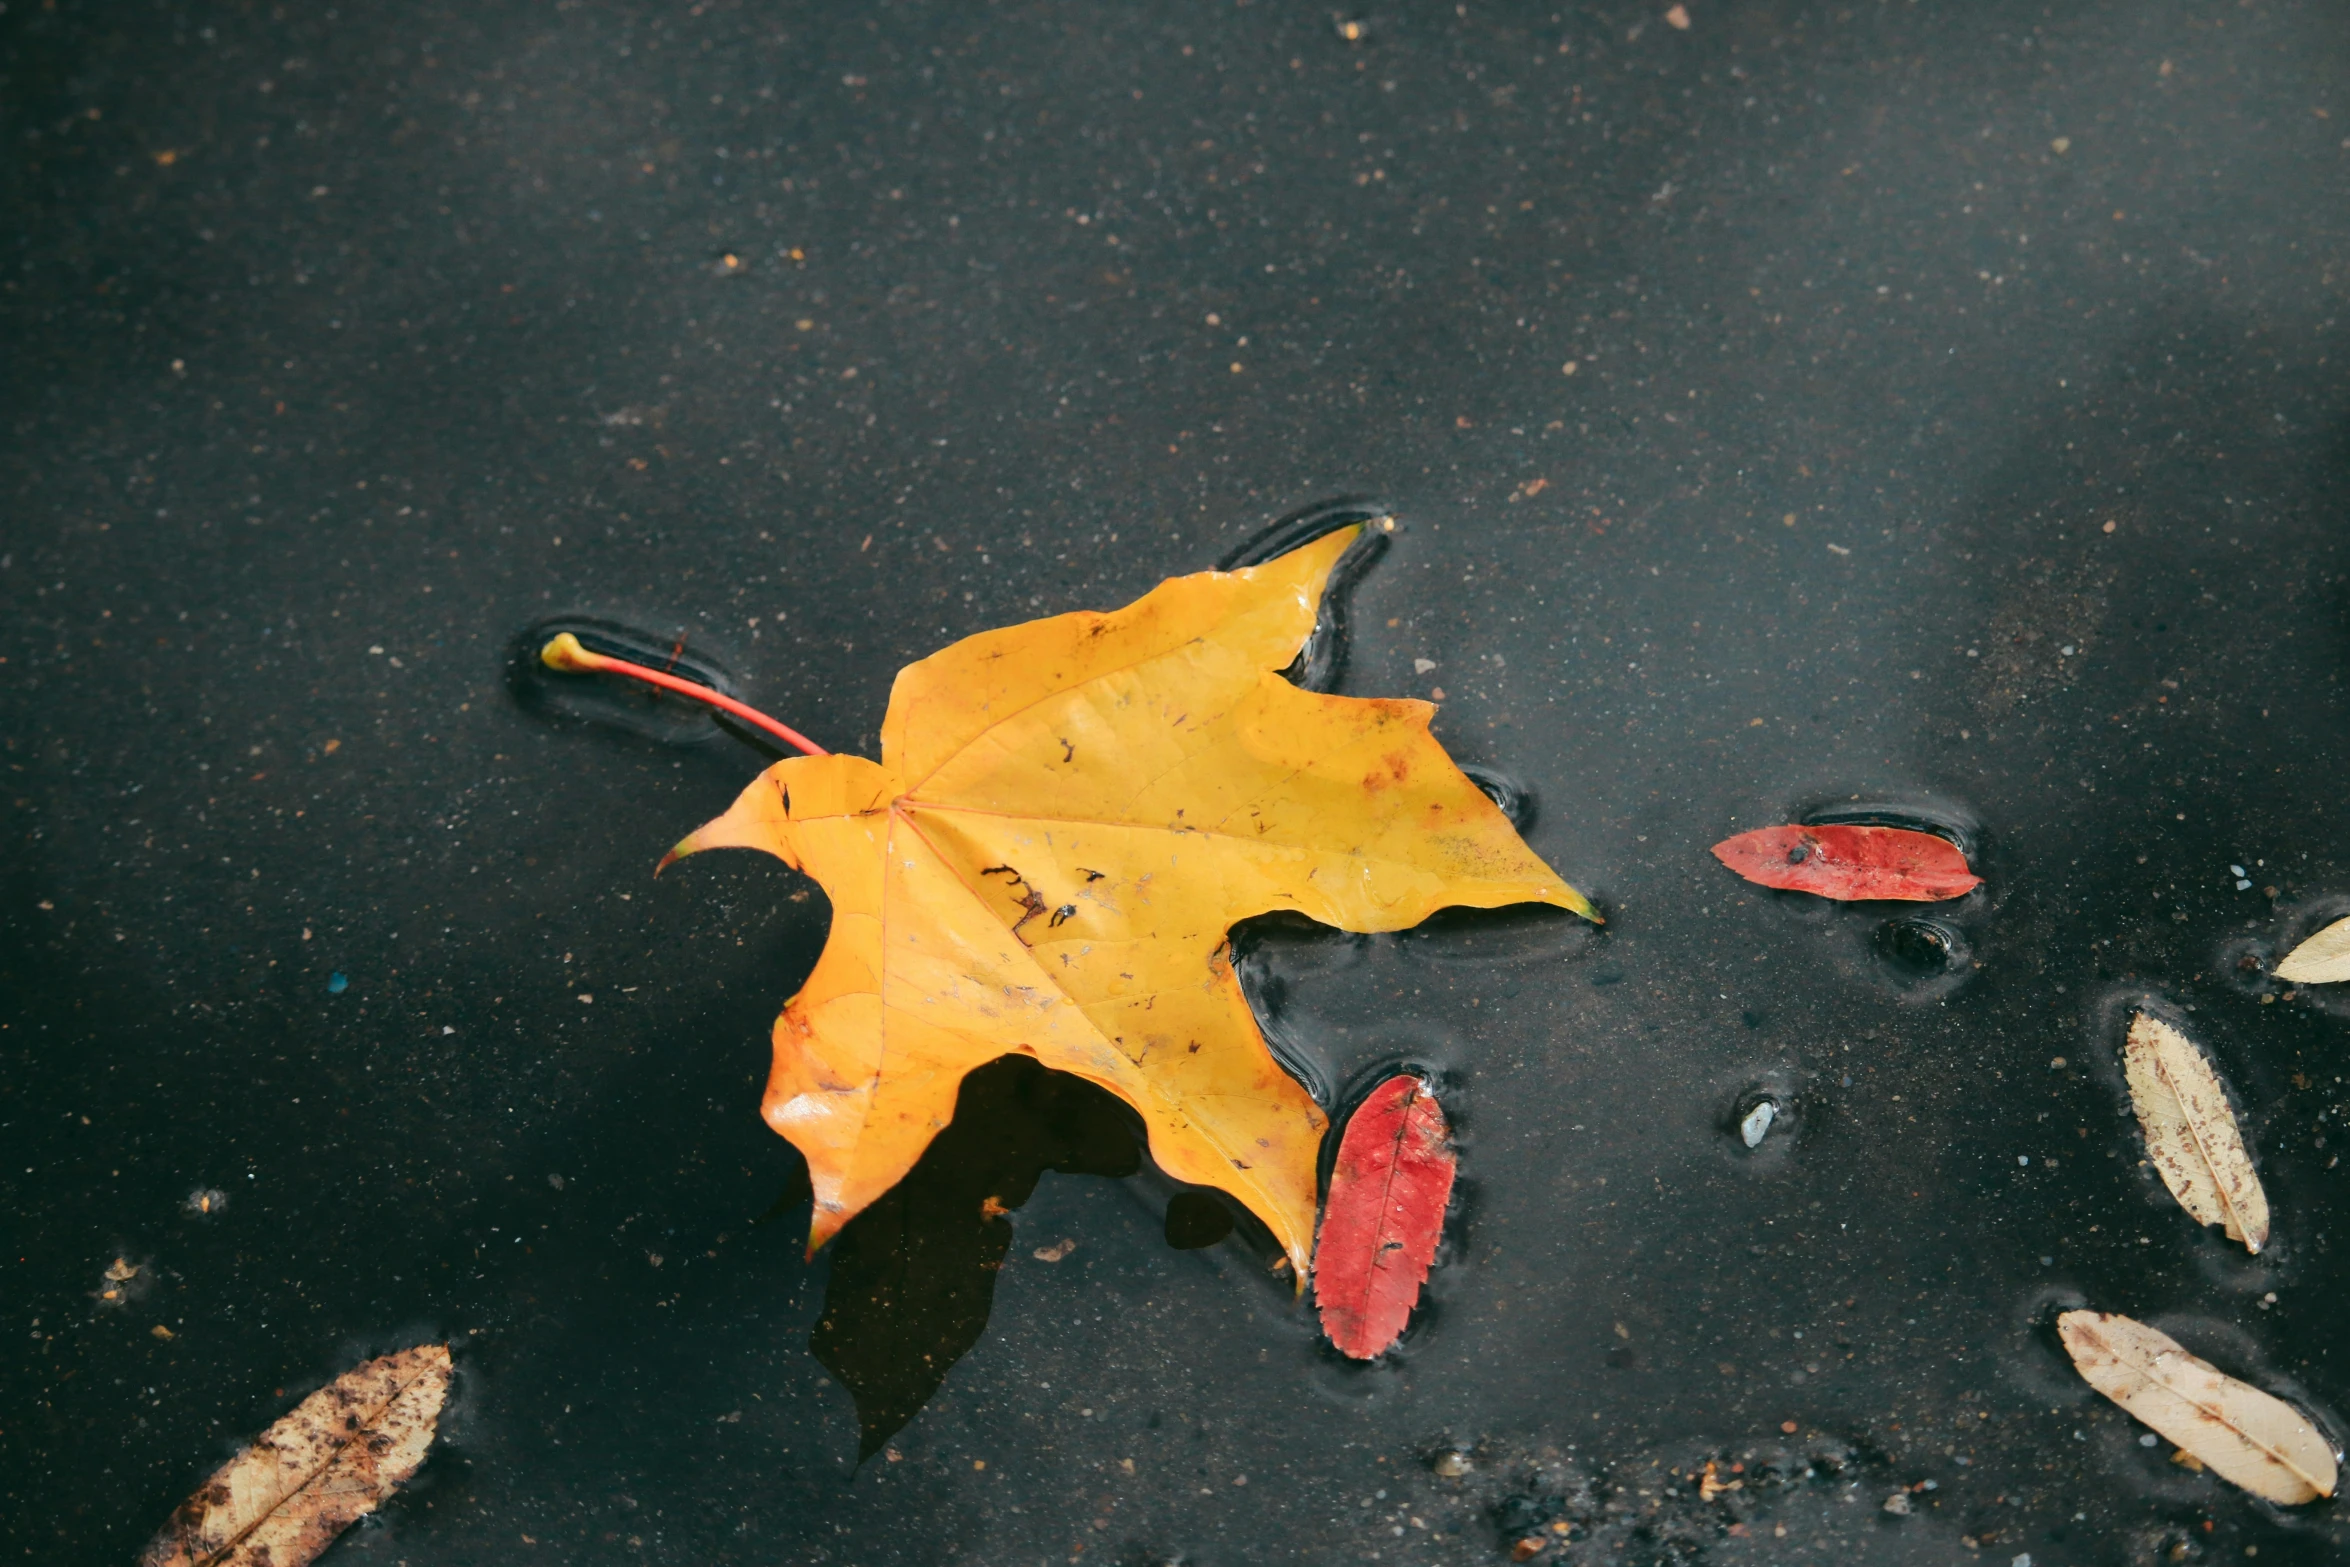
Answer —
(334, 1459)
(2191, 1134)
(2238, 1432)
(2324, 959)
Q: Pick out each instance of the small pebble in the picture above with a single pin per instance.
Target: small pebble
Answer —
(1898, 1504)
(1757, 1124)
(337, 983)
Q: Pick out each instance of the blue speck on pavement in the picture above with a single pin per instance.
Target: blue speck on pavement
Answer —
(337, 983)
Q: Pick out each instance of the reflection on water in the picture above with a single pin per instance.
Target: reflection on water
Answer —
(1919, 951)
(1196, 1220)
(913, 1275)
(1506, 790)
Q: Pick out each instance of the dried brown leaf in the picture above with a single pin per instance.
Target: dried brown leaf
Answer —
(333, 1460)
(2324, 959)
(2191, 1134)
(2252, 1438)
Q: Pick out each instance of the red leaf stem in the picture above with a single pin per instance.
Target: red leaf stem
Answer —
(566, 653)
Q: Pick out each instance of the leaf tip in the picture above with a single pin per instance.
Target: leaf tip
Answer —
(824, 1222)
(1573, 901)
(691, 843)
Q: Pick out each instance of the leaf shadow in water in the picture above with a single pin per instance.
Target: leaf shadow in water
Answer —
(913, 1276)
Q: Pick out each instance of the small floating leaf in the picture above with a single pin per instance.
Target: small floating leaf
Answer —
(2258, 1441)
(2191, 1134)
(2324, 959)
(1851, 863)
(333, 1460)
(1384, 1216)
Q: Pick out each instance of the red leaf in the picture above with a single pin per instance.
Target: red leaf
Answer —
(1384, 1215)
(1851, 863)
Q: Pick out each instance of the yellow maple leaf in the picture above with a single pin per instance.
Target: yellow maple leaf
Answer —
(1067, 819)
